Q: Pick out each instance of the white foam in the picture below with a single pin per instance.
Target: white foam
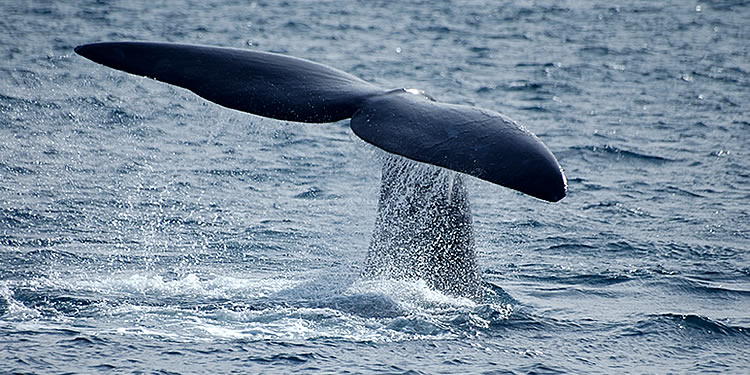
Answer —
(257, 308)
(413, 295)
(188, 285)
(15, 310)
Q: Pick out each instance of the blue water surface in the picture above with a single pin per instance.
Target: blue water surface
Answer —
(145, 230)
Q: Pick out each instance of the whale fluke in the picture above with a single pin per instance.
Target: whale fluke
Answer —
(470, 140)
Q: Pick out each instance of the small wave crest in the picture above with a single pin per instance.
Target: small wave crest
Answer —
(12, 309)
(693, 325)
(618, 153)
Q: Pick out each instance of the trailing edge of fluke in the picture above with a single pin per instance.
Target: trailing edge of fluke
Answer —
(471, 140)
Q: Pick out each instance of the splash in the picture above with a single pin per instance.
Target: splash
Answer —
(424, 229)
(13, 310)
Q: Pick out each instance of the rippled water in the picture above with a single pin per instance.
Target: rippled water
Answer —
(144, 230)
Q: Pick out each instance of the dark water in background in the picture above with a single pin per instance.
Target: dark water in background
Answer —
(145, 230)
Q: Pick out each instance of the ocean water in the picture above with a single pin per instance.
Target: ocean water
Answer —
(144, 230)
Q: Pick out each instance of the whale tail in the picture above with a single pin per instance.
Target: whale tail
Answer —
(471, 140)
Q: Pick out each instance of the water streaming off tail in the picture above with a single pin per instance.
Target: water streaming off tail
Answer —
(423, 229)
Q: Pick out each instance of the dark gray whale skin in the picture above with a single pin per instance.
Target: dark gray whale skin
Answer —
(423, 229)
(261, 83)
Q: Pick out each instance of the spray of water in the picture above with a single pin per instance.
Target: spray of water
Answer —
(423, 229)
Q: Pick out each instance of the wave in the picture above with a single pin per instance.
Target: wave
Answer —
(717, 289)
(618, 153)
(697, 325)
(538, 91)
(315, 193)
(22, 218)
(16, 170)
(13, 309)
